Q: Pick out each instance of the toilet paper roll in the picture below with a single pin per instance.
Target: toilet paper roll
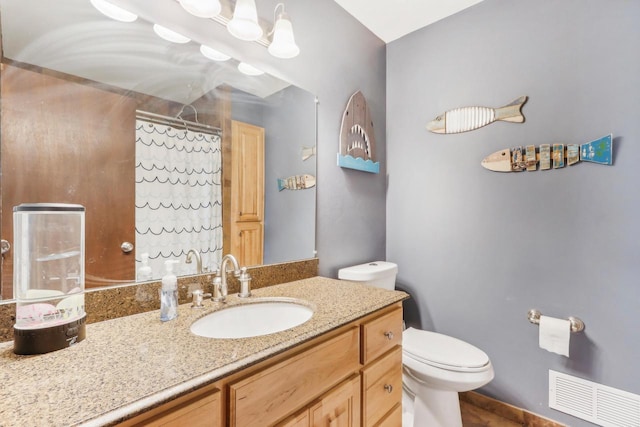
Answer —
(555, 335)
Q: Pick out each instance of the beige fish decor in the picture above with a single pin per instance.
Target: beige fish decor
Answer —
(297, 182)
(465, 119)
(357, 140)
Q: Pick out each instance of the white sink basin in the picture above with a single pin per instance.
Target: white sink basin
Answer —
(259, 317)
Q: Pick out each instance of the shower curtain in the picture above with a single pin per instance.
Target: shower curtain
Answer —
(178, 198)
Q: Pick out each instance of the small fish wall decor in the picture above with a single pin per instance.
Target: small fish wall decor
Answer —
(308, 152)
(357, 140)
(297, 182)
(550, 155)
(465, 119)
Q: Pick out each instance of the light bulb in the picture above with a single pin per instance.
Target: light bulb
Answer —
(170, 35)
(113, 11)
(213, 54)
(202, 8)
(249, 70)
(283, 44)
(244, 24)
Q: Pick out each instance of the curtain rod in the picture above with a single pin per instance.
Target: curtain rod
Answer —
(177, 123)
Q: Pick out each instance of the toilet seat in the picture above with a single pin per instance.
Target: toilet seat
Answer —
(442, 351)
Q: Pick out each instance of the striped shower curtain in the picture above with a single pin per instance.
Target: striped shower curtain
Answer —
(178, 197)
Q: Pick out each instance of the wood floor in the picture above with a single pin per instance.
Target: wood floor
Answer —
(482, 411)
(473, 416)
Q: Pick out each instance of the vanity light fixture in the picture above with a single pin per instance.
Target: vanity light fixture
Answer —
(249, 70)
(113, 11)
(283, 44)
(202, 8)
(244, 24)
(170, 35)
(213, 54)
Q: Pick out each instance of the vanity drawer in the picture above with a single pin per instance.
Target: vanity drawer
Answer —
(281, 389)
(382, 386)
(381, 334)
(202, 408)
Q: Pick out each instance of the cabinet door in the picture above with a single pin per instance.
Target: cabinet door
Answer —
(300, 420)
(247, 158)
(340, 407)
(286, 387)
(248, 243)
(382, 388)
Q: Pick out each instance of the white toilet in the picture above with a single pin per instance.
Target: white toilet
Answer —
(435, 366)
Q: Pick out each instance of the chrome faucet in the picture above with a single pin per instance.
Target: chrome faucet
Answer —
(220, 288)
(198, 260)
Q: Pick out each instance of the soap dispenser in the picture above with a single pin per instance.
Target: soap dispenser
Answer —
(144, 272)
(169, 292)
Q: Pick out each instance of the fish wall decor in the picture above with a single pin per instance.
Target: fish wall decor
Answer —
(297, 182)
(308, 152)
(465, 119)
(357, 139)
(557, 155)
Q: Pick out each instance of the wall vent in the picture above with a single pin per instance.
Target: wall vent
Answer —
(596, 403)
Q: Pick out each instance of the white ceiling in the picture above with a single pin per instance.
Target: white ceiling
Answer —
(392, 19)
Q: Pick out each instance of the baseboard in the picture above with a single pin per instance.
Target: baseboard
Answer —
(509, 412)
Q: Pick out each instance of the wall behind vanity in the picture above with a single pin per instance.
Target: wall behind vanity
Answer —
(338, 57)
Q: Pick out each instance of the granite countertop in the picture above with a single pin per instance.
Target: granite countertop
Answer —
(128, 365)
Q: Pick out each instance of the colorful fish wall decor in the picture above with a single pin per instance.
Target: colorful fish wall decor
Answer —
(297, 182)
(465, 119)
(357, 140)
(550, 155)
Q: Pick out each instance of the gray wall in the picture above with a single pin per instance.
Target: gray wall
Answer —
(478, 249)
(338, 57)
(289, 226)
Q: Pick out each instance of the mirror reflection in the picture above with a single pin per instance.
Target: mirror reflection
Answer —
(170, 152)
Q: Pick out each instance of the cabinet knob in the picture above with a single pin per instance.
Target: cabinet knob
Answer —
(389, 335)
(126, 247)
(388, 388)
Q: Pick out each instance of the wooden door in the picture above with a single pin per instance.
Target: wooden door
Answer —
(247, 193)
(249, 244)
(67, 142)
(248, 172)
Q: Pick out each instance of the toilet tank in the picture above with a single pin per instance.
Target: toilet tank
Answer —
(380, 274)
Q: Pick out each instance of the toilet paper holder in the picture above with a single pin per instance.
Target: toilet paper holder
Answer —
(577, 325)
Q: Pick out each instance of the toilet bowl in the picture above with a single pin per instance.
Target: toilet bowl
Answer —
(435, 366)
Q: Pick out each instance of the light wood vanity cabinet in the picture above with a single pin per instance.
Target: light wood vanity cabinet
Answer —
(271, 394)
(348, 377)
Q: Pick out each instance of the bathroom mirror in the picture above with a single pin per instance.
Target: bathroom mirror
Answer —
(72, 83)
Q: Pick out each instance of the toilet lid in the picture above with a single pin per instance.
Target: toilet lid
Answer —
(438, 349)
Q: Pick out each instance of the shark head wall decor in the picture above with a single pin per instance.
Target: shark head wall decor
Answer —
(357, 139)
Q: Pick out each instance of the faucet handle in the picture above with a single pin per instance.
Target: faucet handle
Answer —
(245, 283)
(219, 294)
(198, 298)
